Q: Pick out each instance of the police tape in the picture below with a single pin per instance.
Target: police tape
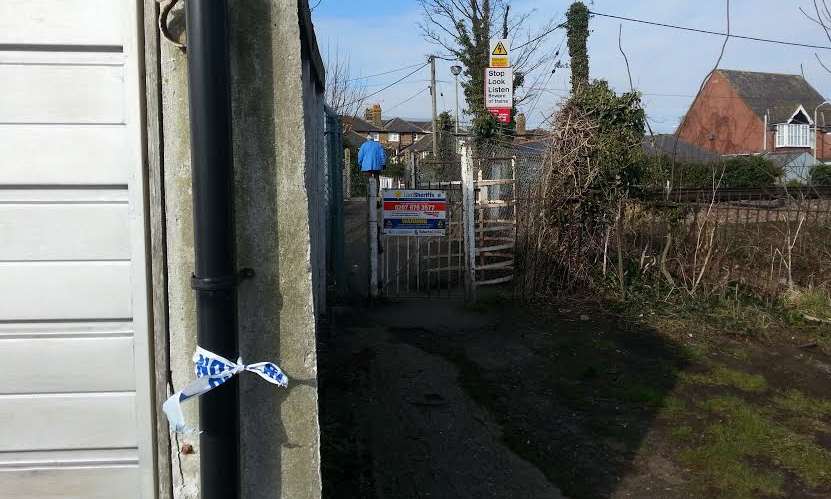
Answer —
(212, 371)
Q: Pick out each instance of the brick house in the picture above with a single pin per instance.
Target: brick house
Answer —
(743, 112)
(362, 127)
(402, 133)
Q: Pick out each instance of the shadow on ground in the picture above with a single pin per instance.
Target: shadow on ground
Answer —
(435, 400)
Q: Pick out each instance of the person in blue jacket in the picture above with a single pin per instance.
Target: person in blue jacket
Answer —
(371, 156)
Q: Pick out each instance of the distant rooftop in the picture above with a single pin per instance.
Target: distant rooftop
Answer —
(665, 144)
(780, 95)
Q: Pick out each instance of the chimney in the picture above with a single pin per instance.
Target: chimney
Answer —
(520, 124)
(373, 115)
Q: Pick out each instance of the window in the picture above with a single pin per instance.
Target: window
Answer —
(793, 136)
(375, 136)
(394, 137)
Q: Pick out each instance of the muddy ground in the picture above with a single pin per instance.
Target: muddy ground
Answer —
(433, 399)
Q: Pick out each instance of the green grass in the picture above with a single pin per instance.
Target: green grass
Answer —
(673, 408)
(683, 432)
(745, 434)
(811, 302)
(640, 393)
(723, 376)
(800, 404)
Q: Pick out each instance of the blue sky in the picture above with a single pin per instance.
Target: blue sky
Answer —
(667, 65)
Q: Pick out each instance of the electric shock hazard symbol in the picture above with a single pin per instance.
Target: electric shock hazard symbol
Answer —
(500, 53)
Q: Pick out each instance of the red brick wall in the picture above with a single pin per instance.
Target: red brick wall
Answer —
(720, 121)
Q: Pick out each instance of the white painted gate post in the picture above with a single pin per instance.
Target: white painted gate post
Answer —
(469, 221)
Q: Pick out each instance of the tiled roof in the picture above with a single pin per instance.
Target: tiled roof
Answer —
(353, 138)
(359, 125)
(780, 95)
(398, 125)
(664, 144)
(425, 126)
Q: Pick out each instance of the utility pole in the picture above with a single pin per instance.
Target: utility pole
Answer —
(435, 116)
(456, 70)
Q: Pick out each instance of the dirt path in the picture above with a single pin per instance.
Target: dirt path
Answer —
(435, 400)
(405, 426)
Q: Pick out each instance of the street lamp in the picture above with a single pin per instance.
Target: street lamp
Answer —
(816, 129)
(456, 70)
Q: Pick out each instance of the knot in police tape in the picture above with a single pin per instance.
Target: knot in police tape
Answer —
(212, 371)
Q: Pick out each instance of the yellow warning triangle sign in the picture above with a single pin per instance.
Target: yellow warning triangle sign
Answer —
(500, 49)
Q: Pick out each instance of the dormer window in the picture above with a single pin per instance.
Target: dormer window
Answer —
(796, 132)
(793, 135)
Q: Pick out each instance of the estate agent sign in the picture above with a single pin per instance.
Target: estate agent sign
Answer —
(408, 212)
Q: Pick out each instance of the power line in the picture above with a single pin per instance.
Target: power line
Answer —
(374, 85)
(529, 42)
(708, 32)
(396, 70)
(552, 68)
(408, 99)
(388, 86)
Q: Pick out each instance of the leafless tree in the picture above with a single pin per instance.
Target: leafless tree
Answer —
(345, 94)
(462, 29)
(821, 16)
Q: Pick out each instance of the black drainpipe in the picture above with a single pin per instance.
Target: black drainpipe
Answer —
(215, 277)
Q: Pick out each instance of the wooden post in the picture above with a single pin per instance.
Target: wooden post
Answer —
(469, 222)
(433, 92)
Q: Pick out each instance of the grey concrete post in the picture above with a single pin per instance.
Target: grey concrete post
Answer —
(372, 235)
(347, 174)
(277, 105)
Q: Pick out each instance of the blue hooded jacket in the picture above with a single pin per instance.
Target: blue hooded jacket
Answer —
(371, 157)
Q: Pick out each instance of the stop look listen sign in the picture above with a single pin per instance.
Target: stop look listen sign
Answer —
(499, 92)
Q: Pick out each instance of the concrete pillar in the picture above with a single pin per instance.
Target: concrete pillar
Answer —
(347, 174)
(277, 126)
(278, 123)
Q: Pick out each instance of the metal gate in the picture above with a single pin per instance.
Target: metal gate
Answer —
(479, 247)
(419, 266)
(495, 219)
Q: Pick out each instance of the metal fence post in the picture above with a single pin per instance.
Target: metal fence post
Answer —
(469, 222)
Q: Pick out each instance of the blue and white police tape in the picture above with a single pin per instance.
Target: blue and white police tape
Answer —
(213, 370)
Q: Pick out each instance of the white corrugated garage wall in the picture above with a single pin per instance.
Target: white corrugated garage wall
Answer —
(75, 405)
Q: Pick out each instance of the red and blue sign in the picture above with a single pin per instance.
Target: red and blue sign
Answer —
(409, 212)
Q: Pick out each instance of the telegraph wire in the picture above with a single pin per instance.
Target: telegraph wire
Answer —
(537, 38)
(396, 70)
(408, 99)
(396, 82)
(552, 69)
(708, 32)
